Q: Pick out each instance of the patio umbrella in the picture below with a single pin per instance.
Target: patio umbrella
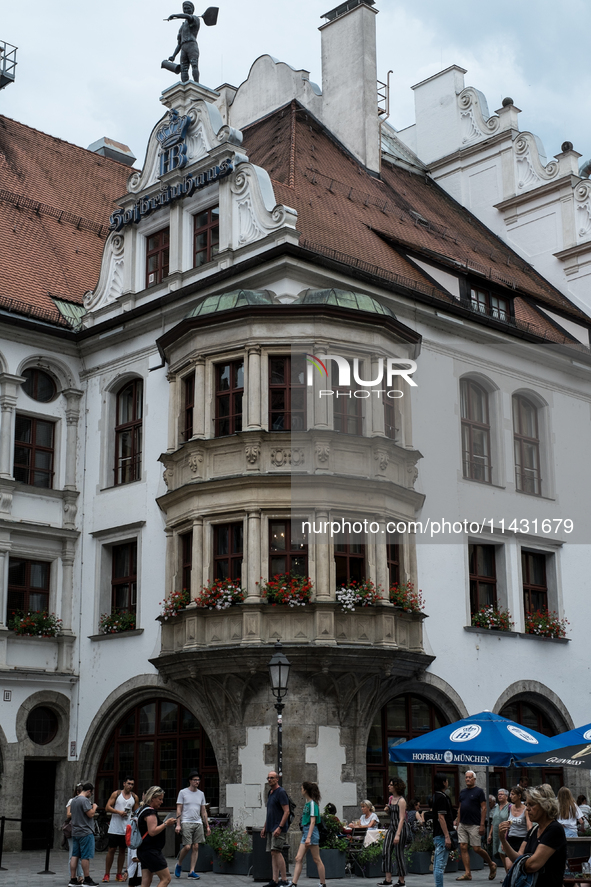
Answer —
(485, 739)
(570, 749)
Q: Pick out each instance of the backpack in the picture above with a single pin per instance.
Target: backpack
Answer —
(292, 810)
(133, 835)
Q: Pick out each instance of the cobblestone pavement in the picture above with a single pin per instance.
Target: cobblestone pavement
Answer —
(23, 871)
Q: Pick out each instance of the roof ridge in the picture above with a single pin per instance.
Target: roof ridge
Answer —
(65, 141)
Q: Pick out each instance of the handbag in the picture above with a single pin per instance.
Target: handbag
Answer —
(67, 828)
(453, 837)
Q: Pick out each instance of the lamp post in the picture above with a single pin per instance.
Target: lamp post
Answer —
(279, 673)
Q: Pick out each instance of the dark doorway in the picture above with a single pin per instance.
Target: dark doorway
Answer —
(38, 801)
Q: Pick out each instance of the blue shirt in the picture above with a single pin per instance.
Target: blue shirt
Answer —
(470, 801)
(276, 801)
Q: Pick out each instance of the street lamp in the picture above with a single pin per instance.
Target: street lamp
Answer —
(279, 674)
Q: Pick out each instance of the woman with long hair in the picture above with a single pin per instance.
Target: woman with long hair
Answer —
(149, 853)
(310, 835)
(519, 820)
(568, 812)
(398, 829)
(545, 842)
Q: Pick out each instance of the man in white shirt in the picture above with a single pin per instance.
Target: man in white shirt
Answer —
(120, 805)
(191, 819)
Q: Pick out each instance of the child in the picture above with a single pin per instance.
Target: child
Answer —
(310, 835)
(134, 869)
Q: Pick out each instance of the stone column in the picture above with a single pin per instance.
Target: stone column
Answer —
(253, 555)
(253, 392)
(322, 558)
(321, 409)
(199, 400)
(5, 546)
(64, 607)
(9, 385)
(73, 396)
(381, 566)
(378, 425)
(197, 557)
(175, 257)
(173, 412)
(170, 561)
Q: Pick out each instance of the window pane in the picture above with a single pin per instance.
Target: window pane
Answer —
(189, 757)
(239, 375)
(44, 434)
(16, 572)
(189, 721)
(168, 717)
(40, 575)
(201, 219)
(168, 764)
(396, 714)
(145, 766)
(121, 562)
(419, 715)
(22, 430)
(224, 377)
(126, 760)
(127, 727)
(223, 539)
(147, 718)
(278, 565)
(125, 401)
(278, 541)
(38, 601)
(374, 744)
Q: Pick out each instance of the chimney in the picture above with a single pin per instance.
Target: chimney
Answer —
(107, 147)
(349, 79)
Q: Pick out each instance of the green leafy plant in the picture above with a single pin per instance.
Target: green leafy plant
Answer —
(422, 842)
(227, 841)
(358, 594)
(403, 595)
(36, 623)
(546, 624)
(372, 853)
(333, 838)
(221, 594)
(284, 588)
(114, 623)
(492, 617)
(174, 603)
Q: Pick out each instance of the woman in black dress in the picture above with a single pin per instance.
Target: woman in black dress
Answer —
(396, 835)
(545, 841)
(150, 850)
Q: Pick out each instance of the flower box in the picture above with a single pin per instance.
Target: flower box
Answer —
(492, 618)
(334, 864)
(404, 596)
(220, 595)
(174, 603)
(419, 862)
(114, 623)
(284, 588)
(240, 864)
(545, 624)
(36, 623)
(358, 594)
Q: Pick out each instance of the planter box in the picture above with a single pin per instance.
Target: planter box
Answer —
(476, 862)
(420, 863)
(369, 870)
(452, 866)
(204, 859)
(334, 863)
(240, 865)
(262, 868)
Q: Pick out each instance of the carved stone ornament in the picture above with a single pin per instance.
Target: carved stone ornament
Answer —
(414, 473)
(530, 169)
(281, 457)
(382, 458)
(252, 452)
(167, 476)
(255, 214)
(476, 123)
(195, 460)
(322, 452)
(70, 511)
(110, 283)
(205, 131)
(583, 209)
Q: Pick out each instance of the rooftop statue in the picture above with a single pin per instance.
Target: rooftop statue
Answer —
(187, 40)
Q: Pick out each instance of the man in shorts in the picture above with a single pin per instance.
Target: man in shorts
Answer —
(82, 813)
(470, 825)
(275, 828)
(120, 805)
(191, 817)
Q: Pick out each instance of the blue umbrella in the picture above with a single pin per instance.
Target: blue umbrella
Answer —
(484, 739)
(570, 749)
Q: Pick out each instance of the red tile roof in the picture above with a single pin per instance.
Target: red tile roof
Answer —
(55, 203)
(378, 221)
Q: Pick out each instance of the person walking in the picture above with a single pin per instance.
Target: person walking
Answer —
(82, 812)
(191, 823)
(120, 805)
(398, 831)
(79, 873)
(519, 822)
(149, 853)
(499, 814)
(568, 812)
(545, 841)
(470, 825)
(442, 825)
(310, 834)
(275, 828)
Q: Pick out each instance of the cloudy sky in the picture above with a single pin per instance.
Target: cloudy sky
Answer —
(92, 69)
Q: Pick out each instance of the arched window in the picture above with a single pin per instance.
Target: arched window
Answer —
(475, 432)
(158, 743)
(403, 718)
(527, 446)
(128, 432)
(532, 717)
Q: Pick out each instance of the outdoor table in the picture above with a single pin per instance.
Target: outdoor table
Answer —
(373, 835)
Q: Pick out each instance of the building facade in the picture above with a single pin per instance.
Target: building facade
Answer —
(173, 413)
